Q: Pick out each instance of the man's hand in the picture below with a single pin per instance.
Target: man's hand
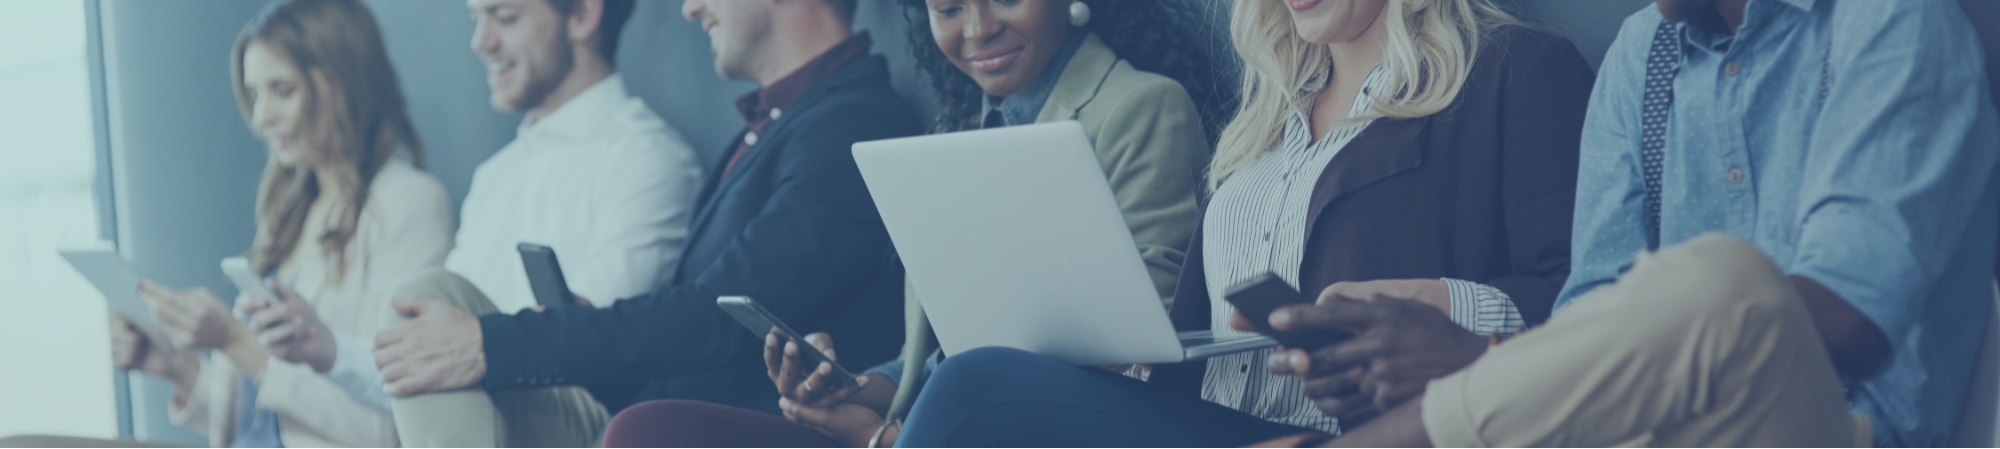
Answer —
(290, 328)
(812, 386)
(1398, 347)
(439, 348)
(849, 425)
(1430, 292)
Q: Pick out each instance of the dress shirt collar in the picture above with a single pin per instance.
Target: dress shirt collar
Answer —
(1022, 107)
(758, 105)
(577, 117)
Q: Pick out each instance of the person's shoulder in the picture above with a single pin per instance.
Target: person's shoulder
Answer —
(1931, 19)
(401, 192)
(1517, 44)
(1127, 84)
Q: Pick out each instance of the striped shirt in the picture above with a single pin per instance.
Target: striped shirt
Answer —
(1255, 224)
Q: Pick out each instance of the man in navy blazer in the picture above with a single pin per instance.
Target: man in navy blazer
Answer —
(785, 219)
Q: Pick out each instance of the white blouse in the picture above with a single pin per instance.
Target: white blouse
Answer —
(405, 228)
(1256, 224)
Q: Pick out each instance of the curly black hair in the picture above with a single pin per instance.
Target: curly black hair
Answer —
(1159, 36)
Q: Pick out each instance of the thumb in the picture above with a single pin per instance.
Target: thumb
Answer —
(802, 413)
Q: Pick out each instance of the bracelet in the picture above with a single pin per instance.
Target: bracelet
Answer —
(876, 440)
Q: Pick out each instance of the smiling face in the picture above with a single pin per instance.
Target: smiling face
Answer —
(525, 46)
(1334, 21)
(737, 30)
(1001, 44)
(277, 93)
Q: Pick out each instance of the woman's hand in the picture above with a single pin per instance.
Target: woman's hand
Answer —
(812, 386)
(849, 425)
(290, 328)
(133, 349)
(192, 319)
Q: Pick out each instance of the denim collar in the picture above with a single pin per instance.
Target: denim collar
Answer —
(1022, 107)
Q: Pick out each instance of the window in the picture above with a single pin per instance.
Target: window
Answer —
(53, 335)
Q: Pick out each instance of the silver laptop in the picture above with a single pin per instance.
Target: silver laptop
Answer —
(1012, 238)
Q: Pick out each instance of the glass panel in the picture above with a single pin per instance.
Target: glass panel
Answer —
(52, 334)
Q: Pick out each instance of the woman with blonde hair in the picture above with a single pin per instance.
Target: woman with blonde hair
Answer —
(1422, 151)
(340, 217)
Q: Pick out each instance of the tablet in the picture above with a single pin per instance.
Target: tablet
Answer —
(116, 279)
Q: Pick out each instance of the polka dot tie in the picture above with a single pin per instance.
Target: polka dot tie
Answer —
(1663, 61)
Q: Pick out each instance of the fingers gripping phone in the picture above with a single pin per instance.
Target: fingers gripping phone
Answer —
(1257, 297)
(545, 276)
(761, 322)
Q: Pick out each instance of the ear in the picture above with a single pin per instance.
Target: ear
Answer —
(585, 20)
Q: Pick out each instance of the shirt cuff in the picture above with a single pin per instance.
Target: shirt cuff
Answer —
(1482, 309)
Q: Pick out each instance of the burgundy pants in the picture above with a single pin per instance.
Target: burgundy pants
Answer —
(678, 423)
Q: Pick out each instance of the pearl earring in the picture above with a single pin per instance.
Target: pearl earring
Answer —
(1079, 14)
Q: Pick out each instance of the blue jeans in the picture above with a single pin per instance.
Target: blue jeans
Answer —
(1000, 397)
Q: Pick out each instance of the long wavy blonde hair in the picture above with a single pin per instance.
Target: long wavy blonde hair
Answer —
(1427, 53)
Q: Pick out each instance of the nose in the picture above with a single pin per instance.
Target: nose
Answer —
(980, 24)
(692, 10)
(483, 40)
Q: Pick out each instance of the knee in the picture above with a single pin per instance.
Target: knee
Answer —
(439, 284)
(658, 423)
(978, 376)
(1714, 270)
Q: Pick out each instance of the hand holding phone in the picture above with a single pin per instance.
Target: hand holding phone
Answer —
(1258, 297)
(545, 276)
(762, 323)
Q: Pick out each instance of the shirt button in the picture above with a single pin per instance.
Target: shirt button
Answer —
(1735, 176)
(1731, 68)
(1245, 369)
(775, 113)
(1267, 236)
(750, 139)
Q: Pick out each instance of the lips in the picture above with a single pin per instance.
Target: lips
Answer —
(1301, 5)
(994, 60)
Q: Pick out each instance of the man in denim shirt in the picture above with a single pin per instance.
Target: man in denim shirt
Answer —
(1839, 152)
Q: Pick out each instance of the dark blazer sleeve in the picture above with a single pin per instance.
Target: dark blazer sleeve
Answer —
(1546, 88)
(816, 235)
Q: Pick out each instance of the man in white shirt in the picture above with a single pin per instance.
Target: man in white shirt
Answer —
(592, 173)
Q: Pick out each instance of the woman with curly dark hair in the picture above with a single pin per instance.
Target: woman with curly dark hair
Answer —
(1124, 69)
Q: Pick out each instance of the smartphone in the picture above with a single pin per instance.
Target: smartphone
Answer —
(1257, 297)
(246, 280)
(545, 276)
(761, 322)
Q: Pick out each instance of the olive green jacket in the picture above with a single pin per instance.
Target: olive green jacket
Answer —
(1150, 141)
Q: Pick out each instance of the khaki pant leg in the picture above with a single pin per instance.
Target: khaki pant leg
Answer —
(474, 417)
(1701, 344)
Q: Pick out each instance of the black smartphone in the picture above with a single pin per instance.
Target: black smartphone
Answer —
(762, 322)
(545, 276)
(1257, 297)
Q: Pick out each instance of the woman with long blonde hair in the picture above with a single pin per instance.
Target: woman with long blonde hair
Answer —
(340, 218)
(1420, 151)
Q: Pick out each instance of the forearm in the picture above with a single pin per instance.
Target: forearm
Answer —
(1858, 347)
(878, 395)
(246, 353)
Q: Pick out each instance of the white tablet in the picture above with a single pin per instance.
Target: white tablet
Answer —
(116, 279)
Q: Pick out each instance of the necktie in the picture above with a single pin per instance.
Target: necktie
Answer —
(1661, 65)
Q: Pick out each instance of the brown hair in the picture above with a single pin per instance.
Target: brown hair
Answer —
(352, 96)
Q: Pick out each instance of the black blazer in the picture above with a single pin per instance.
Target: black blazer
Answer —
(793, 227)
(1482, 191)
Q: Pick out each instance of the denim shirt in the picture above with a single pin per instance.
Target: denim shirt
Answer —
(1853, 142)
